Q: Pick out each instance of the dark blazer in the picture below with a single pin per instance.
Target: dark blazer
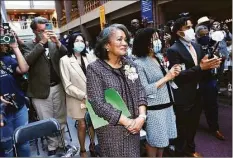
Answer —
(39, 71)
(189, 78)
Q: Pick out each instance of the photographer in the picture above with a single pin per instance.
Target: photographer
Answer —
(208, 86)
(44, 84)
(13, 110)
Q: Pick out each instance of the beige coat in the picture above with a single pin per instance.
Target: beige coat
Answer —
(74, 83)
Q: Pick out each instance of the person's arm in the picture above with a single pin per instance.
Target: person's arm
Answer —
(186, 76)
(62, 50)
(31, 56)
(151, 88)
(95, 94)
(193, 74)
(22, 66)
(70, 89)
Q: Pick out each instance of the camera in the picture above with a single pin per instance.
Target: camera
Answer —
(6, 35)
(11, 98)
(209, 49)
(2, 115)
(4, 108)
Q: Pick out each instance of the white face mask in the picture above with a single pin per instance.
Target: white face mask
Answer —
(157, 46)
(78, 47)
(189, 35)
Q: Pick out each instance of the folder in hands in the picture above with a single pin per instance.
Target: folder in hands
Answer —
(112, 97)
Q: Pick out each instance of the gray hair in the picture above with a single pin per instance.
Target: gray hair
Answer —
(104, 37)
(199, 28)
(38, 20)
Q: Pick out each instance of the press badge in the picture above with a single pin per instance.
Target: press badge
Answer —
(182, 66)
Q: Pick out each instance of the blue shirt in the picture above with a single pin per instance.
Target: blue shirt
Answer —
(8, 83)
(186, 44)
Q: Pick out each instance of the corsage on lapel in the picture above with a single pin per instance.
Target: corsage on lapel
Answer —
(130, 72)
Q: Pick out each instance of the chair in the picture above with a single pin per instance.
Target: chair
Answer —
(32, 131)
(33, 117)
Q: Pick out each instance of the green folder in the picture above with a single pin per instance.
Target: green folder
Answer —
(112, 97)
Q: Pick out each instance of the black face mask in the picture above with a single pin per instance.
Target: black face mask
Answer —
(204, 40)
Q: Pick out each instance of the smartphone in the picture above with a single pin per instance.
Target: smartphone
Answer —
(49, 26)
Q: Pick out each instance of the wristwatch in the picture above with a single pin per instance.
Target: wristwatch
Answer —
(143, 116)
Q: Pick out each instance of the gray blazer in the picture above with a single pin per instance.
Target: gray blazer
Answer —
(149, 73)
(39, 71)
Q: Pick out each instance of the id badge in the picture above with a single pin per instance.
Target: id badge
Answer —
(182, 66)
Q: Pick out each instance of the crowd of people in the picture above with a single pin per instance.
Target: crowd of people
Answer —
(165, 76)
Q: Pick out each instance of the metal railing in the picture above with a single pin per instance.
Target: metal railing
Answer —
(90, 5)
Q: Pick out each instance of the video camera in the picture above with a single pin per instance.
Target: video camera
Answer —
(3, 108)
(6, 35)
(11, 98)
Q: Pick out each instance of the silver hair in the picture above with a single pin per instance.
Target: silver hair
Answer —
(104, 37)
(199, 28)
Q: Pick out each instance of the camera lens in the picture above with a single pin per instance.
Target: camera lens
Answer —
(6, 39)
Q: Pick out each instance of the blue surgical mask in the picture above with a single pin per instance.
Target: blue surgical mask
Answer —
(157, 46)
(78, 47)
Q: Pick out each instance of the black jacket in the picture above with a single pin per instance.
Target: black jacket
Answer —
(189, 78)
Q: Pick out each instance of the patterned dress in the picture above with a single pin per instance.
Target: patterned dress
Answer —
(113, 139)
(160, 124)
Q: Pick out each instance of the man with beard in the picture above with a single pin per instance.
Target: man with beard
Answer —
(42, 55)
